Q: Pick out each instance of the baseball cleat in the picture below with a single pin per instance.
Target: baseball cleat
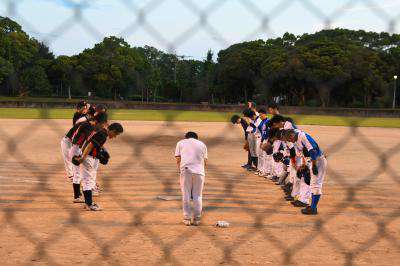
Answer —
(309, 211)
(245, 166)
(187, 222)
(252, 169)
(289, 198)
(298, 203)
(93, 207)
(79, 200)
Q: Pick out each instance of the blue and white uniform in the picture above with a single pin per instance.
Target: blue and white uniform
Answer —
(279, 169)
(305, 141)
(262, 155)
(254, 137)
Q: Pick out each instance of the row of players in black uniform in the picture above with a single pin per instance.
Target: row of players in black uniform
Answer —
(83, 149)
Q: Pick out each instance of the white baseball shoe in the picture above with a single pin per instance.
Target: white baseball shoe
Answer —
(187, 222)
(93, 207)
(79, 200)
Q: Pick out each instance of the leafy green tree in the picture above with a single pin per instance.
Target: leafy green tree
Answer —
(34, 80)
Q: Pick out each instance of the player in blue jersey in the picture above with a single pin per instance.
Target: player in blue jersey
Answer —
(262, 129)
(305, 143)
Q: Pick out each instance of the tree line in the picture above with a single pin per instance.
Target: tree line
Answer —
(330, 68)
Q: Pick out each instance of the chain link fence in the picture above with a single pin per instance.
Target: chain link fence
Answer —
(230, 183)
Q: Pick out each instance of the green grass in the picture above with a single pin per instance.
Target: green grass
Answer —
(195, 116)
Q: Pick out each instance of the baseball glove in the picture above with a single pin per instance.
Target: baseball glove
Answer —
(306, 153)
(315, 169)
(75, 160)
(307, 176)
(299, 174)
(103, 156)
(278, 157)
(292, 153)
(286, 161)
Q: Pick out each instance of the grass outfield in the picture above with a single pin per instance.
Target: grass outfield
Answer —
(196, 116)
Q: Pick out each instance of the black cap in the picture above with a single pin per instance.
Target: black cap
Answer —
(81, 104)
(234, 119)
(91, 110)
(191, 135)
(262, 111)
(101, 118)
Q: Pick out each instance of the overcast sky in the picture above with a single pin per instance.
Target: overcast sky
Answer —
(171, 24)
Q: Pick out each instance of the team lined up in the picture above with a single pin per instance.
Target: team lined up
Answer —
(82, 150)
(287, 155)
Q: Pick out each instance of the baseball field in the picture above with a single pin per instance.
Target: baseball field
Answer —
(358, 219)
(197, 116)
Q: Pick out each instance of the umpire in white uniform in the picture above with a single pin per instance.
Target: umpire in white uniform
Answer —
(191, 157)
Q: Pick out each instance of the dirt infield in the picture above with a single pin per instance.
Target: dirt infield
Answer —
(358, 221)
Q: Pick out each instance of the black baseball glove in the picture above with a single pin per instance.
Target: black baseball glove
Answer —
(307, 176)
(306, 153)
(315, 169)
(75, 160)
(103, 156)
(292, 153)
(299, 174)
(278, 157)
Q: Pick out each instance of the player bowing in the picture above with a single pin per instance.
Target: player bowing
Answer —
(302, 141)
(92, 154)
(191, 157)
(82, 109)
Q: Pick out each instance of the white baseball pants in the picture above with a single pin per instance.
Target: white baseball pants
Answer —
(254, 144)
(267, 165)
(192, 188)
(75, 151)
(65, 147)
(261, 160)
(305, 192)
(89, 172)
(296, 180)
(317, 180)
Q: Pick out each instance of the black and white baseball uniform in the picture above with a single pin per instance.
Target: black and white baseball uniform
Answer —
(90, 165)
(81, 134)
(66, 143)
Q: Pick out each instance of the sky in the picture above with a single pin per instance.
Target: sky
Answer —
(191, 27)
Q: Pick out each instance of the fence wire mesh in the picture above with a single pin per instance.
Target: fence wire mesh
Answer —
(225, 190)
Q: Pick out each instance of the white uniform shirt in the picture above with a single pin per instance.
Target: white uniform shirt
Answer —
(288, 125)
(193, 152)
(255, 123)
